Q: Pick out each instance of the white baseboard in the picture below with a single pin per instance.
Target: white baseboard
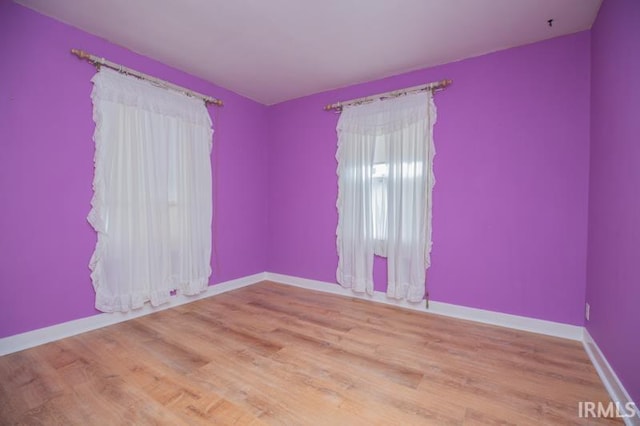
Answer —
(614, 386)
(534, 325)
(41, 336)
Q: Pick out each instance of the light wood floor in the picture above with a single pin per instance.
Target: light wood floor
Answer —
(274, 354)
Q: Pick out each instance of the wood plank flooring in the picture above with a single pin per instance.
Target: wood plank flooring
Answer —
(271, 354)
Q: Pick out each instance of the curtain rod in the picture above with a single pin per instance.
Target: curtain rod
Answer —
(103, 62)
(434, 86)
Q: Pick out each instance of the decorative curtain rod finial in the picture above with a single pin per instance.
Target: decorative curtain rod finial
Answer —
(81, 54)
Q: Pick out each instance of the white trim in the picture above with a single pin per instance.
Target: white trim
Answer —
(534, 325)
(614, 386)
(41, 336)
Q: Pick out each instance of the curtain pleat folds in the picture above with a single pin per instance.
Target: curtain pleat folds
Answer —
(152, 203)
(385, 181)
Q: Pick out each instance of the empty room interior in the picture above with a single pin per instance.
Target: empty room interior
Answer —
(339, 212)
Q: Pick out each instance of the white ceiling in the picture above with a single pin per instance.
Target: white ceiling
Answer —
(275, 50)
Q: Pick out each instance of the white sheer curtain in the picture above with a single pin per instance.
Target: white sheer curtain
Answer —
(152, 203)
(385, 180)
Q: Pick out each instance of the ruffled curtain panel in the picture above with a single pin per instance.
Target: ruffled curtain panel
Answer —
(385, 181)
(152, 203)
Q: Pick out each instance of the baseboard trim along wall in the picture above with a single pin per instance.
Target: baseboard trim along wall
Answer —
(612, 383)
(534, 325)
(41, 336)
(614, 387)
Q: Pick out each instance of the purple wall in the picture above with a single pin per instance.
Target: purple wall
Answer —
(46, 171)
(613, 273)
(510, 202)
(510, 213)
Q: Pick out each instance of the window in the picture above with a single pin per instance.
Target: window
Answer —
(152, 203)
(385, 179)
(379, 193)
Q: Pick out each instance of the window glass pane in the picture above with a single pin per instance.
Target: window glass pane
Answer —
(379, 198)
